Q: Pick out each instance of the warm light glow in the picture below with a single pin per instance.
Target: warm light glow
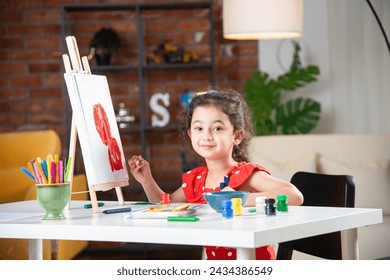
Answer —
(262, 19)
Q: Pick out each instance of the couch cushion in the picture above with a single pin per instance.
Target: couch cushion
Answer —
(372, 180)
(13, 184)
(22, 146)
(285, 169)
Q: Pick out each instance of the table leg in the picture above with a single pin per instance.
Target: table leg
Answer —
(35, 249)
(246, 254)
(349, 244)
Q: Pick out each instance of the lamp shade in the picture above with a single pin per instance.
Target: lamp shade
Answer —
(262, 19)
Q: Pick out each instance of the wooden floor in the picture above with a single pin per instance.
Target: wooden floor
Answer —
(135, 251)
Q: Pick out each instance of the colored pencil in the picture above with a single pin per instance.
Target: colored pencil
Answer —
(48, 171)
(41, 173)
(31, 169)
(28, 173)
(67, 169)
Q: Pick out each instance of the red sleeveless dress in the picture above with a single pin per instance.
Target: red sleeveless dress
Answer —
(194, 187)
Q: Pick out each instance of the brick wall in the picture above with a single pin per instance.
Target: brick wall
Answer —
(32, 90)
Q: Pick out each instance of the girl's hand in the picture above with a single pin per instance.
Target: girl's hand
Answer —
(140, 169)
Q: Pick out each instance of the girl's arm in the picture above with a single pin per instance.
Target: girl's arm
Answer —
(140, 169)
(262, 184)
(178, 196)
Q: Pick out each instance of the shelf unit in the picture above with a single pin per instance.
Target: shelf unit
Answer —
(141, 68)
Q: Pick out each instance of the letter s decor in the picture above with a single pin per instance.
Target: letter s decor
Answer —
(164, 117)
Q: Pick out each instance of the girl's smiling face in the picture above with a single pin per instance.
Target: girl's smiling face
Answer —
(212, 135)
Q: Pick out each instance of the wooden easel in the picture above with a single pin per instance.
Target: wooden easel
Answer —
(82, 66)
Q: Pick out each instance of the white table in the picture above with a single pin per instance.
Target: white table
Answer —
(24, 220)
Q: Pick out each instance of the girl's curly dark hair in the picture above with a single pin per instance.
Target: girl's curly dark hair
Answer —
(233, 104)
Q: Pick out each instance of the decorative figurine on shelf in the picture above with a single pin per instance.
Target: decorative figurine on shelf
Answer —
(153, 58)
(104, 43)
(170, 54)
(124, 118)
(164, 118)
(190, 56)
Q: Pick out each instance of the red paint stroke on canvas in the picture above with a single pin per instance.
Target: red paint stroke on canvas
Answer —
(103, 128)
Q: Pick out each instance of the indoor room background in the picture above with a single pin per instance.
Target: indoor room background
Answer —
(341, 37)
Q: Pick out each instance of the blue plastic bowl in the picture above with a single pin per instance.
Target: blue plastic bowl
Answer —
(214, 199)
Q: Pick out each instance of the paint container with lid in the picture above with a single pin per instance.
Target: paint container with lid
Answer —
(282, 205)
(227, 211)
(270, 208)
(260, 204)
(237, 206)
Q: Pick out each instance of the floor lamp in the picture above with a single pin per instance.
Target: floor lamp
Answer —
(380, 24)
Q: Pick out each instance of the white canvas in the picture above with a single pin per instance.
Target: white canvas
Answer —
(97, 130)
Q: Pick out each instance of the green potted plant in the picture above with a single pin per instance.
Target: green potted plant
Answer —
(104, 43)
(266, 97)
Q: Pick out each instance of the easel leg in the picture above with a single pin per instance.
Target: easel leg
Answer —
(95, 207)
(72, 153)
(119, 194)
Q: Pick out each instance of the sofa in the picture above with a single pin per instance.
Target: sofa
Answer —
(16, 149)
(365, 156)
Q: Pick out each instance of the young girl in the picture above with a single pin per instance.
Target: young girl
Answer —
(219, 126)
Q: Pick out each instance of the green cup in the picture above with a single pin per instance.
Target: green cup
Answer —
(53, 198)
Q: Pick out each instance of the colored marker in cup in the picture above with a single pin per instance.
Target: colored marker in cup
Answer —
(28, 173)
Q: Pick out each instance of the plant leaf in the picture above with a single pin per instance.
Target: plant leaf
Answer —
(264, 97)
(264, 126)
(298, 116)
(300, 77)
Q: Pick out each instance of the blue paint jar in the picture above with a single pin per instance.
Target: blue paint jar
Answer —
(227, 211)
